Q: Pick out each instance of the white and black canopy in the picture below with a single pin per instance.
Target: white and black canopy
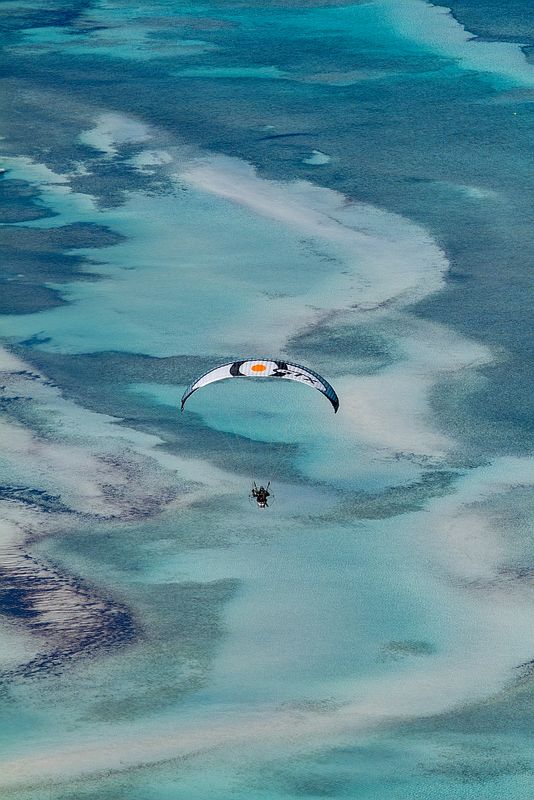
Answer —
(264, 368)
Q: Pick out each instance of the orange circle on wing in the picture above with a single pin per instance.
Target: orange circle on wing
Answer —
(258, 368)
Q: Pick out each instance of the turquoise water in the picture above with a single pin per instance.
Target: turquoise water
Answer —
(343, 184)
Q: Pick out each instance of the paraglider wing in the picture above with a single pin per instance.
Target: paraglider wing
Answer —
(264, 368)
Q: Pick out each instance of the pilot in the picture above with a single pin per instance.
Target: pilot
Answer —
(261, 495)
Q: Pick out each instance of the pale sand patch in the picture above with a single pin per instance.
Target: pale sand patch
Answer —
(112, 130)
(392, 258)
(434, 26)
(317, 159)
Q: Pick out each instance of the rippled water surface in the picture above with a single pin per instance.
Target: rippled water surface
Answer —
(344, 184)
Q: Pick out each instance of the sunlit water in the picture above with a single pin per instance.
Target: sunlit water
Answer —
(344, 184)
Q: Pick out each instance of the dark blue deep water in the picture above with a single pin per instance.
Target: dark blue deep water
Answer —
(346, 184)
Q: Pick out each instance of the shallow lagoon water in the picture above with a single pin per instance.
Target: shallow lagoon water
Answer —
(370, 633)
